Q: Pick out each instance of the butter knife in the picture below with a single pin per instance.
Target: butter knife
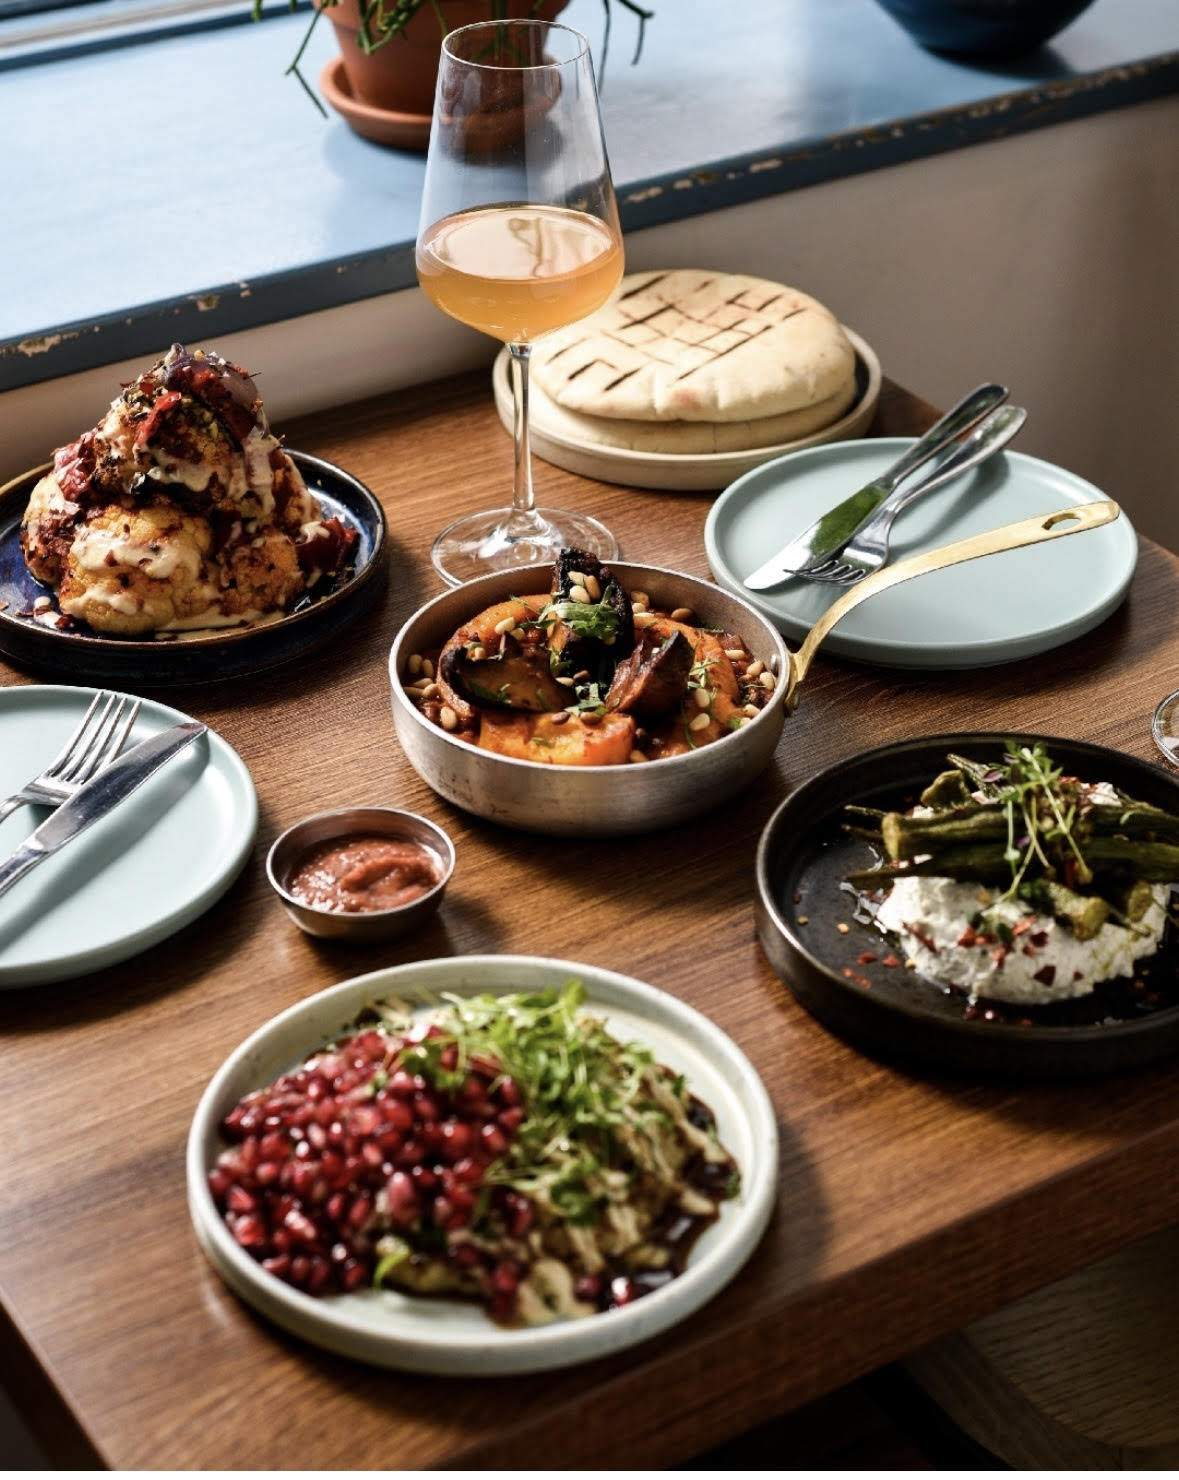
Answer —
(111, 786)
(832, 530)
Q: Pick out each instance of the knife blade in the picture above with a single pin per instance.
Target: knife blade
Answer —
(832, 530)
(112, 785)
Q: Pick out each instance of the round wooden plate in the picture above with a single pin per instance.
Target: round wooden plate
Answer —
(197, 656)
(802, 859)
(679, 472)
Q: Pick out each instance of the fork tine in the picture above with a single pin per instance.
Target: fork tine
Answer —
(824, 568)
(118, 739)
(76, 735)
(852, 575)
(78, 769)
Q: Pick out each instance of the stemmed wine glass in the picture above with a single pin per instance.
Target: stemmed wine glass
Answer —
(519, 236)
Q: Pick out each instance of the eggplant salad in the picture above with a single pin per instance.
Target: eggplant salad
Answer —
(507, 1150)
(588, 674)
(1016, 883)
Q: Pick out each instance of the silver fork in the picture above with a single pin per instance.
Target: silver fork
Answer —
(868, 551)
(96, 742)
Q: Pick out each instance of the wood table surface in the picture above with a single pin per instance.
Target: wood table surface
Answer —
(909, 1203)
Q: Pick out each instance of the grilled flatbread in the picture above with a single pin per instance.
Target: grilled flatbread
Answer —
(687, 437)
(697, 346)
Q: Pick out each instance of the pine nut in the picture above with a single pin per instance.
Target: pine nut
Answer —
(415, 663)
(579, 594)
(703, 698)
(519, 634)
(504, 625)
(643, 619)
(566, 682)
(427, 668)
(754, 669)
(640, 599)
(580, 674)
(637, 756)
(700, 722)
(640, 736)
(477, 653)
(591, 719)
(592, 586)
(682, 614)
(751, 710)
(447, 718)
(734, 653)
(560, 718)
(430, 690)
(768, 680)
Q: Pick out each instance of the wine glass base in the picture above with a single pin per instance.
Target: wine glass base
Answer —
(1165, 728)
(478, 544)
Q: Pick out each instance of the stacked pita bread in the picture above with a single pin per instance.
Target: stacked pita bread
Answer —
(696, 362)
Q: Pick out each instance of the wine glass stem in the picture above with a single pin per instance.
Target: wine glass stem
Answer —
(524, 518)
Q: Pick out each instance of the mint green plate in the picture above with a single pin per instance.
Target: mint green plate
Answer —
(156, 862)
(989, 611)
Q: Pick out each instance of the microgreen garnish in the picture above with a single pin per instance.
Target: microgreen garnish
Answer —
(593, 619)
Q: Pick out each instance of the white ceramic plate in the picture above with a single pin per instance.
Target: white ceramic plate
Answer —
(680, 472)
(454, 1337)
(994, 610)
(158, 861)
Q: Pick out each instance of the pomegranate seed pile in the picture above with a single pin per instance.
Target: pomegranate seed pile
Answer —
(352, 1146)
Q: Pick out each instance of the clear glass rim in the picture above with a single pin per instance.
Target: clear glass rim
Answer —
(583, 45)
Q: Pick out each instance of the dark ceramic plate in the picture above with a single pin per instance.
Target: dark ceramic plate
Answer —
(893, 1011)
(83, 655)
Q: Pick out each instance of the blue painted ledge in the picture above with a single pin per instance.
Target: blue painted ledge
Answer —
(183, 188)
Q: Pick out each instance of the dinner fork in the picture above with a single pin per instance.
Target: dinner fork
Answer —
(95, 742)
(868, 551)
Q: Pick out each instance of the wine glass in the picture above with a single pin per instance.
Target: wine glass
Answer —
(519, 236)
(1165, 727)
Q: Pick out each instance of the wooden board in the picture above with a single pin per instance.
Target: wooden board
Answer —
(908, 1205)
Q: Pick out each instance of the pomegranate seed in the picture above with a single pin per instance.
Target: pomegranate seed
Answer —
(337, 1206)
(493, 1140)
(353, 1275)
(340, 1252)
(502, 1308)
(622, 1291)
(448, 1058)
(508, 1091)
(411, 1154)
(267, 1173)
(466, 1256)
(325, 1112)
(300, 1269)
(248, 1151)
(318, 1275)
(467, 1170)
(457, 1138)
(371, 1044)
(398, 1115)
(390, 1139)
(372, 1154)
(251, 1121)
(316, 1135)
(443, 1210)
(505, 1278)
(301, 1227)
(520, 1215)
(249, 1230)
(364, 1121)
(360, 1211)
(425, 1106)
(511, 1119)
(333, 1166)
(274, 1147)
(278, 1265)
(424, 1178)
(282, 1240)
(402, 1085)
(462, 1198)
(402, 1198)
(317, 1087)
(588, 1288)
(484, 1064)
(220, 1181)
(233, 1120)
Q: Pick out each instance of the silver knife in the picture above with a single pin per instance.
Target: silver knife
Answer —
(111, 786)
(832, 530)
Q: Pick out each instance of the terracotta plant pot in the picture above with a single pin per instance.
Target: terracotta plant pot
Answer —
(388, 95)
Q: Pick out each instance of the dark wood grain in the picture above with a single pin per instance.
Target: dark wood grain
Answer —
(908, 1205)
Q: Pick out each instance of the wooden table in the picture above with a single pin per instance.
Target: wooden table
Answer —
(909, 1204)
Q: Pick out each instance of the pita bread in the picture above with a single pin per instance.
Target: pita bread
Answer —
(687, 437)
(697, 346)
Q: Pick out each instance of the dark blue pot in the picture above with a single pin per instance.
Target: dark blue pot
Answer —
(984, 28)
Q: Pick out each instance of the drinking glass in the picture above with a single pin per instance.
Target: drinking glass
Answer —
(1165, 727)
(519, 236)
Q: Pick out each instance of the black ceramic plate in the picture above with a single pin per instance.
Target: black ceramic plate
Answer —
(83, 655)
(802, 859)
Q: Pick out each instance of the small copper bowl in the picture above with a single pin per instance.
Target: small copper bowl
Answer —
(291, 847)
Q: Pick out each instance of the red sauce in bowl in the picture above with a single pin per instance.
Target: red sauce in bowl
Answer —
(366, 872)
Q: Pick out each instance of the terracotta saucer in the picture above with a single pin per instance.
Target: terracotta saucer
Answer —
(381, 125)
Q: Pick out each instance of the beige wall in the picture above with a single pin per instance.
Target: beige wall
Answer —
(1048, 261)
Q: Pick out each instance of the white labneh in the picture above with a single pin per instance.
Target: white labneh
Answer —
(1045, 963)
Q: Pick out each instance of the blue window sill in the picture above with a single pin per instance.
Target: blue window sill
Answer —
(183, 188)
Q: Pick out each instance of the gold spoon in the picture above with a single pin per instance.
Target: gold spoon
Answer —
(1035, 531)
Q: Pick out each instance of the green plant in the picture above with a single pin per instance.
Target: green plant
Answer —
(382, 20)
